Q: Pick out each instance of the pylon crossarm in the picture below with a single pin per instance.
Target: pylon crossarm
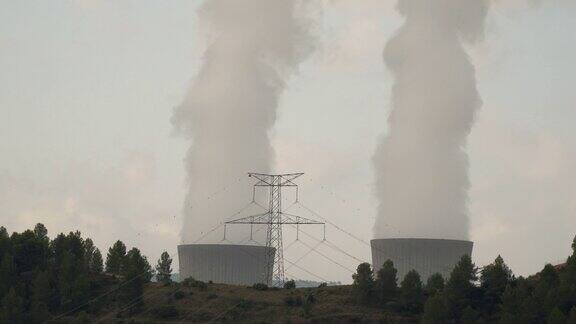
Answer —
(254, 219)
(267, 179)
(295, 219)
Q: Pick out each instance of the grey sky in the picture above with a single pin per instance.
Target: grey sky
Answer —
(87, 89)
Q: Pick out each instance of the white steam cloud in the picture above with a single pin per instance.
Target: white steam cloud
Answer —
(421, 165)
(231, 107)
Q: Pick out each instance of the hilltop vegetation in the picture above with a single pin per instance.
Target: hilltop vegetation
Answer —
(64, 280)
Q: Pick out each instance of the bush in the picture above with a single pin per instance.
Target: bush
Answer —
(260, 286)
(191, 282)
(212, 296)
(290, 284)
(179, 294)
(310, 298)
(323, 285)
(165, 311)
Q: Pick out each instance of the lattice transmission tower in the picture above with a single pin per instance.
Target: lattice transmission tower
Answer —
(274, 218)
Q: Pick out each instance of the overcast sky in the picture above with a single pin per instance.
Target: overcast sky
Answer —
(87, 89)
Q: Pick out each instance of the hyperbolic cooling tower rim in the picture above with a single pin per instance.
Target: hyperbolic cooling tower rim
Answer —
(419, 239)
(223, 244)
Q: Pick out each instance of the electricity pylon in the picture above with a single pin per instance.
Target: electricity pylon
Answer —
(274, 218)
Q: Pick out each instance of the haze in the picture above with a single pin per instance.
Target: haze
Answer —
(88, 89)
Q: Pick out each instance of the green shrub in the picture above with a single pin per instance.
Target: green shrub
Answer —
(260, 286)
(290, 284)
(179, 294)
(191, 282)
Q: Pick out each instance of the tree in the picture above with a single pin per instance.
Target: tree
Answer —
(163, 268)
(567, 288)
(29, 251)
(435, 284)
(494, 278)
(93, 256)
(12, 310)
(435, 311)
(115, 258)
(549, 275)
(89, 250)
(4, 239)
(460, 289)
(41, 232)
(470, 316)
(135, 271)
(572, 316)
(574, 246)
(70, 270)
(290, 284)
(411, 292)
(363, 285)
(546, 293)
(39, 313)
(97, 263)
(386, 282)
(41, 290)
(7, 274)
(518, 306)
(556, 317)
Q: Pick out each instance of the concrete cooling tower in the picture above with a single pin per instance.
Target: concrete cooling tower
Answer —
(225, 263)
(427, 256)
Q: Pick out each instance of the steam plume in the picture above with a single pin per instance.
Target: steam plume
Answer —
(232, 104)
(421, 166)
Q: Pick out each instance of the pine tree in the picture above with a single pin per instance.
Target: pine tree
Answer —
(518, 306)
(363, 286)
(7, 274)
(572, 316)
(93, 256)
(89, 250)
(469, 316)
(115, 258)
(39, 313)
(435, 311)
(566, 292)
(493, 280)
(556, 317)
(163, 268)
(97, 263)
(435, 284)
(41, 290)
(547, 291)
(460, 289)
(40, 231)
(386, 282)
(135, 271)
(12, 310)
(411, 292)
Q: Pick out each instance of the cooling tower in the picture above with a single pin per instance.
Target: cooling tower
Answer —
(427, 256)
(224, 263)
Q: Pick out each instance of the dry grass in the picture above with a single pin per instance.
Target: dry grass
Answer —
(235, 304)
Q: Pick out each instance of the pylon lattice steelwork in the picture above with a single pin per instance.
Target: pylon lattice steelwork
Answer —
(274, 218)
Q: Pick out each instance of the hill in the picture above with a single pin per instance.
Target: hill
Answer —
(233, 304)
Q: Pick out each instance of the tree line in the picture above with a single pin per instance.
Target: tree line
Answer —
(491, 294)
(43, 279)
